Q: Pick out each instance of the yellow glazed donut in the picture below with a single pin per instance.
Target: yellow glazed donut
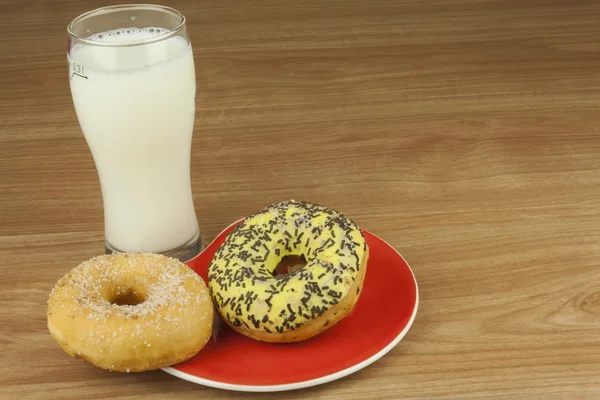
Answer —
(131, 312)
(304, 303)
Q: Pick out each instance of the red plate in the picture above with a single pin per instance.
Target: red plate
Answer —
(385, 311)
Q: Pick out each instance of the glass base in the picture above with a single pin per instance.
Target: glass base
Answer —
(183, 253)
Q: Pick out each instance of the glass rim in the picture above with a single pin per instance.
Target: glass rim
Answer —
(120, 7)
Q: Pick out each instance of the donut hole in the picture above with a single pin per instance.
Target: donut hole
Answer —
(127, 297)
(289, 264)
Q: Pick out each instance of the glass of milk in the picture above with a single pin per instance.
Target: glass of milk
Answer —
(132, 79)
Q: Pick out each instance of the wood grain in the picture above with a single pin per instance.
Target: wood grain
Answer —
(465, 133)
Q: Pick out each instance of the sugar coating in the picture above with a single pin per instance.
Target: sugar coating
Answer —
(168, 288)
(162, 279)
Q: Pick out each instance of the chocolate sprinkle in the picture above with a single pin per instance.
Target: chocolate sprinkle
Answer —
(240, 275)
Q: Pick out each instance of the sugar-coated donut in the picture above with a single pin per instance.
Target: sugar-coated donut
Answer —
(131, 312)
(298, 306)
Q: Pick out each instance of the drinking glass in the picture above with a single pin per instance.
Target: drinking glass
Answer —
(133, 84)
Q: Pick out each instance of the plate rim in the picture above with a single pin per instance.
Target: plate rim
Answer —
(311, 382)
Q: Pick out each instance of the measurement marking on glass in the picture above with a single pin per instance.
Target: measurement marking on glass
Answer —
(78, 70)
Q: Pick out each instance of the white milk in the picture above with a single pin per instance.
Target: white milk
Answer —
(136, 109)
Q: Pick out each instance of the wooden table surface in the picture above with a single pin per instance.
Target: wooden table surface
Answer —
(464, 133)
